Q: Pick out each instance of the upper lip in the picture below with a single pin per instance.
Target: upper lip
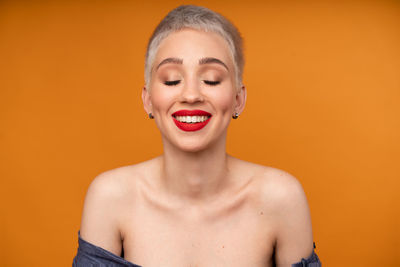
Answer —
(195, 112)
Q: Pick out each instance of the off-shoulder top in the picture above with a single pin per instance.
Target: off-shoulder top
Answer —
(90, 255)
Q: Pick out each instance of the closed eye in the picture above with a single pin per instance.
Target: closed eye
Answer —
(211, 82)
(172, 83)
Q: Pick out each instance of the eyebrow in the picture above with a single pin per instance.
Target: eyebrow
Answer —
(210, 60)
(170, 60)
(202, 61)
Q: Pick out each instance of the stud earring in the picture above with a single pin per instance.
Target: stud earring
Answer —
(235, 116)
(151, 116)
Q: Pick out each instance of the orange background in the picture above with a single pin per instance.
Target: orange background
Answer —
(323, 80)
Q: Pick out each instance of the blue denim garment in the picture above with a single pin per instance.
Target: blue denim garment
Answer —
(312, 261)
(90, 255)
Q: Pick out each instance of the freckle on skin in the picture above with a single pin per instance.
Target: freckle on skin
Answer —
(261, 213)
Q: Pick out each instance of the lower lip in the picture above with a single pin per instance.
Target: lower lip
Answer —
(190, 127)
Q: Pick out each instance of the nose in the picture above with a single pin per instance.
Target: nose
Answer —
(191, 92)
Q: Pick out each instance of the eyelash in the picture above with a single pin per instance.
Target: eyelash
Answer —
(212, 83)
(176, 82)
(172, 83)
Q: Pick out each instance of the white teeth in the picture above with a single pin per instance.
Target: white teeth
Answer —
(191, 119)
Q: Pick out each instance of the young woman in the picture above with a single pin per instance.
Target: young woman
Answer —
(195, 205)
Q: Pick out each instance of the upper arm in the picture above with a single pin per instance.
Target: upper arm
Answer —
(294, 239)
(99, 224)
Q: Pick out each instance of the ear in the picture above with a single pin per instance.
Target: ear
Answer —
(146, 98)
(241, 99)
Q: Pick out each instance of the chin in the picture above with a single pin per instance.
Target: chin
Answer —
(192, 142)
(191, 146)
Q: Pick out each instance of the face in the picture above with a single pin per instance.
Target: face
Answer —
(192, 92)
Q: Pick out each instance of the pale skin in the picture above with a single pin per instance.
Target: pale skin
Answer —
(195, 205)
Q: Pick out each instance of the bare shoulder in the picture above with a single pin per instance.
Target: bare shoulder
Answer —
(272, 184)
(113, 184)
(281, 196)
(107, 199)
(281, 193)
(294, 238)
(281, 187)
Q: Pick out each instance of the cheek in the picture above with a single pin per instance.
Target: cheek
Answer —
(224, 100)
(161, 99)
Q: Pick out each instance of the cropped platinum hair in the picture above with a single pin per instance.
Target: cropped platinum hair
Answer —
(199, 18)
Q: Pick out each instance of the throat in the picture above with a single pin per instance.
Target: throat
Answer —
(196, 176)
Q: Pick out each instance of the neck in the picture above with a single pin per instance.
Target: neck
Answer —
(195, 176)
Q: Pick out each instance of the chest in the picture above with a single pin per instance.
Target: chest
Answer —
(237, 238)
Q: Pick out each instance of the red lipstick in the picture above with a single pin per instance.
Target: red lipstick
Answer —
(190, 126)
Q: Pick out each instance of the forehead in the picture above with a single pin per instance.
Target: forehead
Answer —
(191, 44)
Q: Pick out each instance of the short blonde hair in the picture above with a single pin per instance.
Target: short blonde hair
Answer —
(199, 18)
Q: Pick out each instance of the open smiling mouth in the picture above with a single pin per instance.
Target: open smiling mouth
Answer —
(191, 120)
